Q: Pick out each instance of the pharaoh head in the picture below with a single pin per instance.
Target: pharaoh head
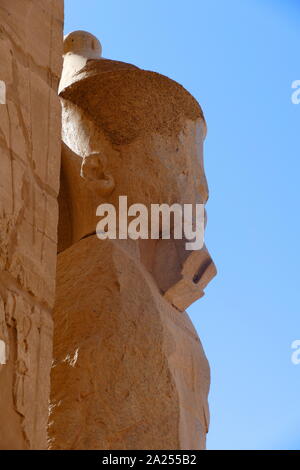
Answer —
(132, 132)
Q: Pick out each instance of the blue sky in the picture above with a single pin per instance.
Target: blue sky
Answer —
(239, 59)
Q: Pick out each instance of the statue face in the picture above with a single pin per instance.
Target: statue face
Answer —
(163, 170)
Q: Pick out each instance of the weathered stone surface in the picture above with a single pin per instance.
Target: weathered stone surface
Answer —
(30, 121)
(129, 369)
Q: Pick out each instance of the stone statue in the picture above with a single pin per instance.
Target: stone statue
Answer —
(129, 370)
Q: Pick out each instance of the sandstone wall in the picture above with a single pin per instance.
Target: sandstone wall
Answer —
(30, 126)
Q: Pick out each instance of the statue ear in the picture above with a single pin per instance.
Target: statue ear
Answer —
(93, 171)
